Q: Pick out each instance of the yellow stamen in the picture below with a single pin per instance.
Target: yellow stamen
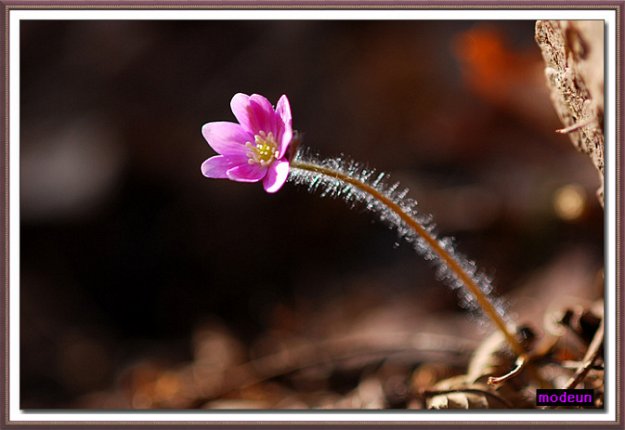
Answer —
(264, 149)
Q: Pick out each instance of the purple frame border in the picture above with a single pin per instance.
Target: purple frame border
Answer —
(7, 5)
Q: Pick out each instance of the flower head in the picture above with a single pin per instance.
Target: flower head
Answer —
(255, 148)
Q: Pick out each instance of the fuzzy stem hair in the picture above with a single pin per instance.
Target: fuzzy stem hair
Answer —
(353, 182)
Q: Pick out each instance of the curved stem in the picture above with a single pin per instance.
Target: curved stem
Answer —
(448, 259)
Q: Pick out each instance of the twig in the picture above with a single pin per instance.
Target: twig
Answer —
(571, 364)
(520, 364)
(578, 125)
(429, 393)
(331, 352)
(594, 349)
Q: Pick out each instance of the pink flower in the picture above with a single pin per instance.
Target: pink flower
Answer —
(255, 148)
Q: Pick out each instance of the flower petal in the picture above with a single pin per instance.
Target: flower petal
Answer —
(283, 109)
(276, 176)
(285, 141)
(227, 138)
(217, 166)
(254, 113)
(266, 118)
(247, 173)
(240, 108)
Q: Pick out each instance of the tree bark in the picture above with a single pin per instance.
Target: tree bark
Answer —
(574, 67)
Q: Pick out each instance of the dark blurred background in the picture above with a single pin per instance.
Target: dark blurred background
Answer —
(127, 252)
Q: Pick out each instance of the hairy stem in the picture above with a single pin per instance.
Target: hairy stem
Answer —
(446, 258)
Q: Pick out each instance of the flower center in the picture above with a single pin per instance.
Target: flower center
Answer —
(264, 149)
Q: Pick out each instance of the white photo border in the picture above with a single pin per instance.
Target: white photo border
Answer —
(19, 416)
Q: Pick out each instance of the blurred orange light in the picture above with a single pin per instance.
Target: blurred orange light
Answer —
(569, 202)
